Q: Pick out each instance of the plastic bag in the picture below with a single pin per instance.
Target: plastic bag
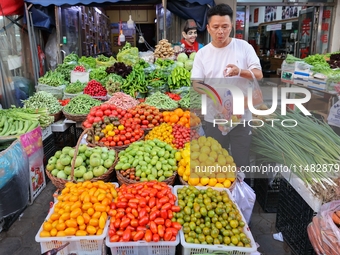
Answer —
(164, 88)
(50, 50)
(14, 179)
(147, 56)
(128, 55)
(333, 116)
(244, 197)
(322, 232)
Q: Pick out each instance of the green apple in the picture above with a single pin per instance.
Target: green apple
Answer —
(66, 149)
(52, 160)
(108, 163)
(112, 157)
(82, 148)
(112, 152)
(80, 179)
(62, 175)
(87, 161)
(71, 152)
(105, 149)
(59, 165)
(79, 161)
(82, 155)
(65, 159)
(50, 167)
(89, 168)
(69, 178)
(84, 164)
(98, 171)
(88, 175)
(57, 154)
(104, 155)
(55, 172)
(79, 171)
(67, 170)
(97, 149)
(95, 159)
(88, 152)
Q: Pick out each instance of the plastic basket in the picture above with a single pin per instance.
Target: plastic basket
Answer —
(143, 247)
(80, 245)
(189, 248)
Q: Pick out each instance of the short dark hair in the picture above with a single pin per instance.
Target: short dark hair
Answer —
(220, 10)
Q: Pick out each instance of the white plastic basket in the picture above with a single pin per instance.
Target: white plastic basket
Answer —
(143, 247)
(189, 248)
(80, 245)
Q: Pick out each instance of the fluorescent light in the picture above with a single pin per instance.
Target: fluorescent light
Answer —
(97, 10)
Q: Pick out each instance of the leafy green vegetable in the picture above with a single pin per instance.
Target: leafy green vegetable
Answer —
(87, 62)
(71, 58)
(290, 59)
(99, 74)
(54, 79)
(128, 55)
(75, 87)
(316, 59)
(65, 69)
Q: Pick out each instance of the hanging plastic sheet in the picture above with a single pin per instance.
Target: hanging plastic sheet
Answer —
(13, 179)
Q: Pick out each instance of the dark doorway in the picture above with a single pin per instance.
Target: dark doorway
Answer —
(149, 34)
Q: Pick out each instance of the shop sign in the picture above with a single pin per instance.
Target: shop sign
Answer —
(306, 26)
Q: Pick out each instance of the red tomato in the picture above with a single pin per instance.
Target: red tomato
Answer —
(114, 238)
(126, 235)
(148, 235)
(167, 235)
(138, 236)
(159, 221)
(160, 230)
(99, 113)
(155, 238)
(153, 227)
(104, 107)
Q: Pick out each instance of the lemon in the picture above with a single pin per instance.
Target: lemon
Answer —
(202, 140)
(178, 156)
(219, 185)
(229, 159)
(187, 171)
(185, 177)
(225, 152)
(195, 155)
(213, 155)
(185, 153)
(227, 183)
(203, 157)
(204, 181)
(205, 150)
(220, 177)
(193, 181)
(221, 160)
(212, 182)
(181, 170)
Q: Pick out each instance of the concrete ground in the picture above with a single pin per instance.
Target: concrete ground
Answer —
(20, 238)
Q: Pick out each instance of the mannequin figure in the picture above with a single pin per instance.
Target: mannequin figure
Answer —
(189, 34)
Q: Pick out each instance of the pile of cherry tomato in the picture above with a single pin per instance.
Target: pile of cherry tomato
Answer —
(144, 211)
(145, 115)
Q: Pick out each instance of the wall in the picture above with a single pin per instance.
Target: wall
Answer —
(138, 16)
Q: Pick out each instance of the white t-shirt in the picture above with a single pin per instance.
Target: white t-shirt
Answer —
(210, 63)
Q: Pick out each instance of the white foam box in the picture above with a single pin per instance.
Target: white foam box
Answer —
(60, 126)
(301, 188)
(317, 84)
(46, 132)
(190, 248)
(301, 80)
(81, 76)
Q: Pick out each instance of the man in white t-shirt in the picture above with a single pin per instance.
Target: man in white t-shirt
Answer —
(226, 58)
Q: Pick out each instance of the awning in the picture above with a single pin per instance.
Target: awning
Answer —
(89, 2)
(12, 7)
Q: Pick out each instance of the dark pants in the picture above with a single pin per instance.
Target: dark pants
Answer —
(239, 140)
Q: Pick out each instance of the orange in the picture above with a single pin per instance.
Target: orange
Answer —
(184, 119)
(174, 118)
(179, 112)
(47, 226)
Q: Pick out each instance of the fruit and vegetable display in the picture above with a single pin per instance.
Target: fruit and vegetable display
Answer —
(177, 116)
(95, 89)
(161, 101)
(43, 99)
(90, 162)
(210, 216)
(113, 132)
(18, 121)
(149, 160)
(122, 101)
(81, 104)
(81, 210)
(75, 87)
(195, 158)
(163, 49)
(144, 211)
(146, 115)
